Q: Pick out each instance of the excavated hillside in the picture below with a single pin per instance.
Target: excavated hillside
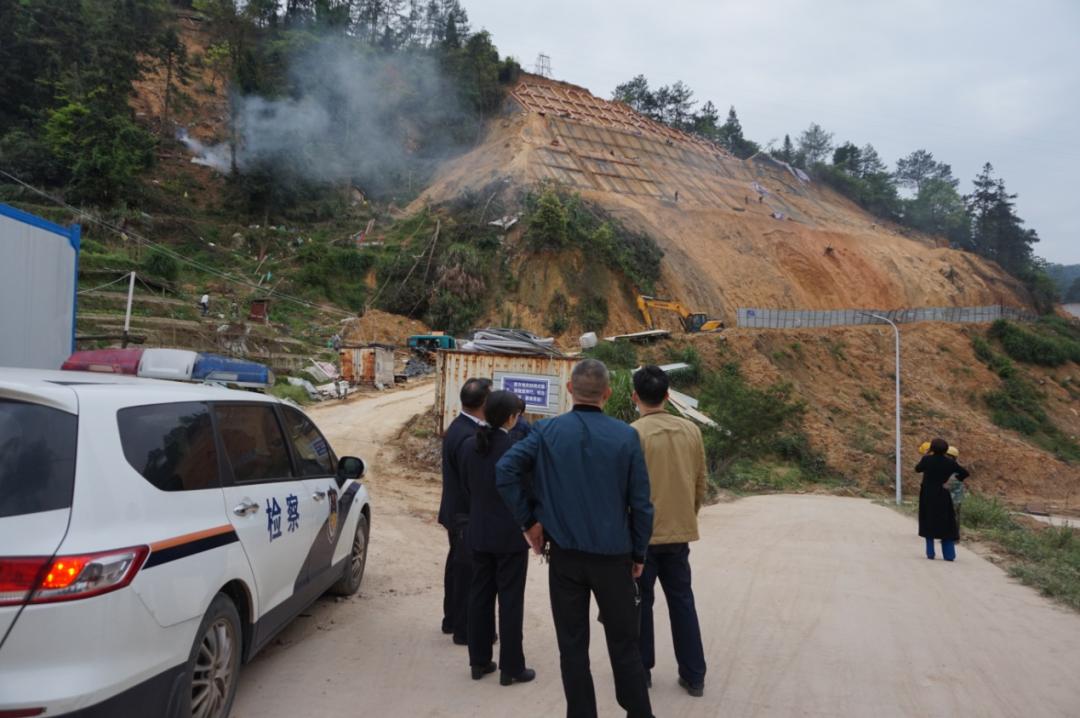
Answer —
(735, 233)
(758, 233)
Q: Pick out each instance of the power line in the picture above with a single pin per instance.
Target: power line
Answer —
(176, 255)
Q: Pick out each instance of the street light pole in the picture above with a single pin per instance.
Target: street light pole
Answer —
(896, 330)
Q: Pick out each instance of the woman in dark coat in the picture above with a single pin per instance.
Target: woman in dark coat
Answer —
(937, 519)
(500, 553)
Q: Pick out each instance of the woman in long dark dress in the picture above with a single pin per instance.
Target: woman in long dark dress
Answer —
(937, 519)
(500, 553)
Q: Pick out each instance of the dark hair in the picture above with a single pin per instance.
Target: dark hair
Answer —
(474, 392)
(651, 384)
(521, 404)
(939, 447)
(498, 409)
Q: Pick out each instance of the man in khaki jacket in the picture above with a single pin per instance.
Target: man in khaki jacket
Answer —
(675, 457)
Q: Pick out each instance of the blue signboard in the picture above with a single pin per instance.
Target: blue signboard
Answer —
(533, 390)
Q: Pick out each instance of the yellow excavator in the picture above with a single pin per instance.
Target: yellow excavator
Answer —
(692, 322)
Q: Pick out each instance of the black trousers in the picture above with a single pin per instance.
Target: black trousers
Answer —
(457, 577)
(671, 564)
(573, 578)
(500, 575)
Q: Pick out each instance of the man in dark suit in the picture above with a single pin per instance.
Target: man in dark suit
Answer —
(592, 506)
(454, 508)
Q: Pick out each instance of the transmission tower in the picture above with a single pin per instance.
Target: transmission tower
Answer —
(543, 65)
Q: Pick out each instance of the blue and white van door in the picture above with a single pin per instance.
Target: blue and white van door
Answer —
(38, 447)
(268, 505)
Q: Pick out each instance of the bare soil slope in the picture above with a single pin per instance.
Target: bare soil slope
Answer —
(845, 376)
(735, 233)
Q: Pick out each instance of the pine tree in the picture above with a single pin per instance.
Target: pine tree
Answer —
(919, 167)
(996, 231)
(814, 145)
(787, 151)
(705, 122)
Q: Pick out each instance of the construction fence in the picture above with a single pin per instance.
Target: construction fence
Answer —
(817, 319)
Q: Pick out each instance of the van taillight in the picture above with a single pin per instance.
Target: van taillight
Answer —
(44, 579)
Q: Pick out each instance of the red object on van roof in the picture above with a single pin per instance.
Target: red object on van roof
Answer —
(106, 361)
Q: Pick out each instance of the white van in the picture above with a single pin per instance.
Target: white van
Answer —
(154, 535)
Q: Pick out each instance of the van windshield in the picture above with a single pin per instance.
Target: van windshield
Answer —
(37, 458)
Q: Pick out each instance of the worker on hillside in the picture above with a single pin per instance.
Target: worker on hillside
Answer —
(500, 556)
(594, 514)
(454, 509)
(675, 457)
(204, 304)
(937, 518)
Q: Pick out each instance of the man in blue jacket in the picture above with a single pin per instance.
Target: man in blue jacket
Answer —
(591, 504)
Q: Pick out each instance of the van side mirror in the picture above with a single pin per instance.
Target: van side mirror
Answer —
(349, 467)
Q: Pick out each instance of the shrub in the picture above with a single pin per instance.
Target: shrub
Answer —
(687, 377)
(621, 405)
(558, 316)
(547, 224)
(1033, 347)
(615, 355)
(980, 512)
(591, 313)
(750, 419)
(161, 265)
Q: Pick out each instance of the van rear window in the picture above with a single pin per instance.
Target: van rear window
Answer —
(171, 445)
(37, 458)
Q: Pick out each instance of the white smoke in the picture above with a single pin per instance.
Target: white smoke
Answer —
(216, 156)
(352, 115)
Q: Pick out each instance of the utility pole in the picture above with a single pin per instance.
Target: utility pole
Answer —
(543, 65)
(896, 330)
(127, 314)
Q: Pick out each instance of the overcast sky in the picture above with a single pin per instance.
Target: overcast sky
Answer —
(969, 80)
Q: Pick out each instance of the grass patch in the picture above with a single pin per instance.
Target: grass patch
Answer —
(1047, 344)
(1045, 558)
(290, 392)
(1017, 405)
(615, 355)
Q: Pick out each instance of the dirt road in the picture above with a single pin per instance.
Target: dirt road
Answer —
(810, 605)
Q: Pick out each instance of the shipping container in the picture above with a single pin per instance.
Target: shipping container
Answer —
(39, 280)
(369, 365)
(539, 380)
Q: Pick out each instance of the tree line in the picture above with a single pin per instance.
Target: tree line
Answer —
(68, 72)
(920, 192)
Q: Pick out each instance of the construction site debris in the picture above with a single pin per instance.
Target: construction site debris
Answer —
(416, 367)
(323, 371)
(588, 340)
(506, 222)
(306, 385)
(510, 341)
(644, 337)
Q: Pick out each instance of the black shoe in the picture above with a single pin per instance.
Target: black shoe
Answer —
(461, 641)
(447, 630)
(648, 678)
(479, 672)
(505, 679)
(696, 691)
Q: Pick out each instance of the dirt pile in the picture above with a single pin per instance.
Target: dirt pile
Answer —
(735, 233)
(380, 327)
